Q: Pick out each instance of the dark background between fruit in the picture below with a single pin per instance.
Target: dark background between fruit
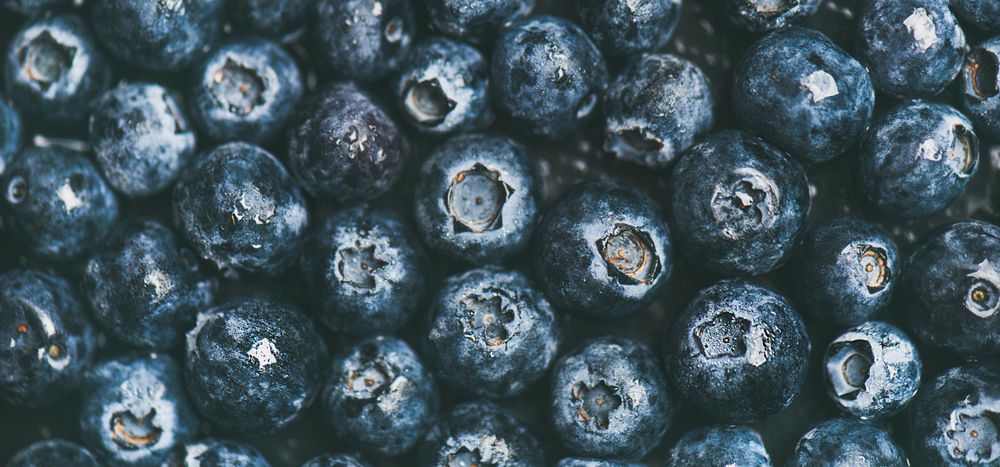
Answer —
(702, 36)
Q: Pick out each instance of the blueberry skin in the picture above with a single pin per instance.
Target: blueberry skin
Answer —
(55, 203)
(346, 148)
(134, 410)
(379, 397)
(737, 204)
(576, 252)
(738, 351)
(269, 18)
(245, 91)
(980, 96)
(913, 48)
(477, 198)
(217, 453)
(366, 271)
(254, 365)
(144, 287)
(444, 88)
(844, 270)
(872, 370)
(547, 76)
(241, 209)
(951, 289)
(655, 109)
(53, 339)
(491, 333)
(764, 15)
(141, 138)
(622, 29)
(801, 91)
(157, 36)
(609, 399)
(847, 441)
(361, 40)
(336, 460)
(983, 14)
(11, 133)
(51, 453)
(585, 462)
(719, 445)
(32, 7)
(475, 21)
(54, 70)
(481, 433)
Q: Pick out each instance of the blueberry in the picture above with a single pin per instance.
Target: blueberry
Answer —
(719, 445)
(444, 87)
(362, 40)
(980, 97)
(217, 453)
(32, 7)
(801, 91)
(144, 287)
(872, 370)
(51, 341)
(609, 399)
(655, 109)
(476, 21)
(11, 133)
(738, 204)
(622, 29)
(157, 36)
(245, 91)
(845, 270)
(134, 410)
(55, 203)
(588, 462)
(254, 364)
(141, 138)
(366, 271)
(547, 76)
(269, 18)
(602, 250)
(916, 159)
(54, 70)
(346, 148)
(951, 289)
(379, 397)
(491, 333)
(847, 441)
(983, 14)
(480, 433)
(738, 351)
(766, 15)
(913, 48)
(240, 208)
(336, 460)
(53, 453)
(477, 198)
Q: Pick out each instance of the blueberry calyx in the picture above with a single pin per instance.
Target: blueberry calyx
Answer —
(45, 60)
(476, 198)
(239, 87)
(630, 255)
(133, 433)
(596, 402)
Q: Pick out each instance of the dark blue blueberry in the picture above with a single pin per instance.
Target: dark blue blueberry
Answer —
(269, 18)
(801, 91)
(336, 460)
(476, 21)
(11, 133)
(655, 109)
(160, 35)
(51, 453)
(361, 40)
(547, 76)
(738, 351)
(478, 198)
(609, 399)
(217, 453)
(55, 203)
(491, 333)
(346, 148)
(379, 397)
(913, 48)
(48, 340)
(444, 87)
(983, 14)
(981, 87)
(141, 138)
(254, 365)
(587, 462)
(951, 289)
(602, 250)
(144, 287)
(245, 91)
(54, 70)
(847, 441)
(366, 271)
(622, 28)
(481, 433)
(872, 370)
(32, 7)
(241, 209)
(844, 270)
(738, 204)
(765, 15)
(134, 410)
(719, 445)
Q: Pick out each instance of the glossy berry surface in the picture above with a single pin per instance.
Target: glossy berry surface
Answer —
(719, 445)
(11, 132)
(217, 452)
(336, 460)
(621, 28)
(53, 452)
(480, 433)
(980, 84)
(475, 21)
(848, 441)
(270, 18)
(361, 40)
(766, 15)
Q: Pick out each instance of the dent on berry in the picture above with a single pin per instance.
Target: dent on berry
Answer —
(630, 255)
(476, 198)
